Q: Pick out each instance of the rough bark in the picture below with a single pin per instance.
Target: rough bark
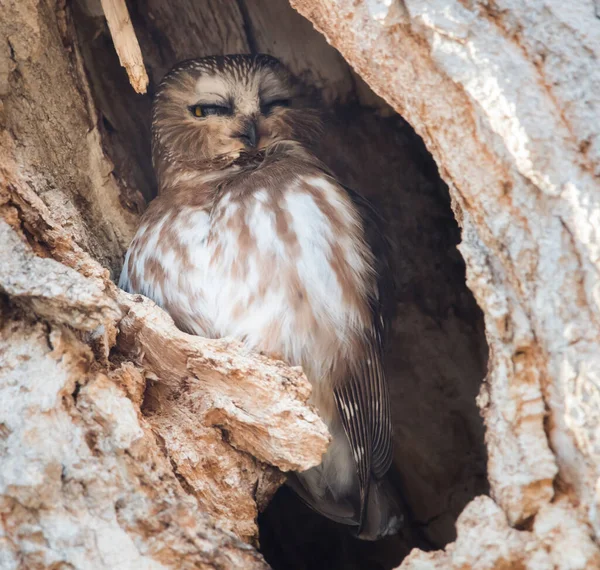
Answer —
(84, 482)
(125, 443)
(558, 538)
(504, 95)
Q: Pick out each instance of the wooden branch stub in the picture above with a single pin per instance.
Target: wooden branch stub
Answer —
(126, 43)
(262, 403)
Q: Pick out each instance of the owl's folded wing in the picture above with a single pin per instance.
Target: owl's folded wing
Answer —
(363, 399)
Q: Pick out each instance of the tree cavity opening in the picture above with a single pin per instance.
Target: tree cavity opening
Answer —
(438, 354)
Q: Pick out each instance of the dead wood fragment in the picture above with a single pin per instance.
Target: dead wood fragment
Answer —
(259, 402)
(126, 43)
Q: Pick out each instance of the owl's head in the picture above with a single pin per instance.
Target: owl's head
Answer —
(211, 111)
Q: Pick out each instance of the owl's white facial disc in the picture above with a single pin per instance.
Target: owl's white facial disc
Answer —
(209, 112)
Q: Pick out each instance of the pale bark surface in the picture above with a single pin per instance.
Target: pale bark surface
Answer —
(125, 443)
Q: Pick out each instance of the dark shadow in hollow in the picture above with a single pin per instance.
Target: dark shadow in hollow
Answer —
(438, 354)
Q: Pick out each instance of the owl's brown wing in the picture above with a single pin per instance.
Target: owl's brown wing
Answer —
(363, 400)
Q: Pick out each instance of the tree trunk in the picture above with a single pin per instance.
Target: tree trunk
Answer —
(126, 443)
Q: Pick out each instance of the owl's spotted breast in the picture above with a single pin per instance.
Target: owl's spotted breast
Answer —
(283, 267)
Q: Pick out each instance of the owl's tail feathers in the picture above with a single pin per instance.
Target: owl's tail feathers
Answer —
(383, 515)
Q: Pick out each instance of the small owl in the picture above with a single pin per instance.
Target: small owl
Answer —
(252, 237)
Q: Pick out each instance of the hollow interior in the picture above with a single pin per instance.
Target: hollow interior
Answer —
(438, 354)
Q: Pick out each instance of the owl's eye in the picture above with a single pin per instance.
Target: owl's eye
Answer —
(210, 110)
(267, 108)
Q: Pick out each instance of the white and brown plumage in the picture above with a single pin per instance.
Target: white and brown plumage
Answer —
(252, 238)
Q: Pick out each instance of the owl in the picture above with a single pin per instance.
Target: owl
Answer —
(252, 237)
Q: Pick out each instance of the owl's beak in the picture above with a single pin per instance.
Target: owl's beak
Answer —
(248, 134)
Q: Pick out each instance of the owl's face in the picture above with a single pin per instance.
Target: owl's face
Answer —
(211, 111)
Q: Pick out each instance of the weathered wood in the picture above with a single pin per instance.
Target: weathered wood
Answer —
(559, 538)
(126, 44)
(84, 482)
